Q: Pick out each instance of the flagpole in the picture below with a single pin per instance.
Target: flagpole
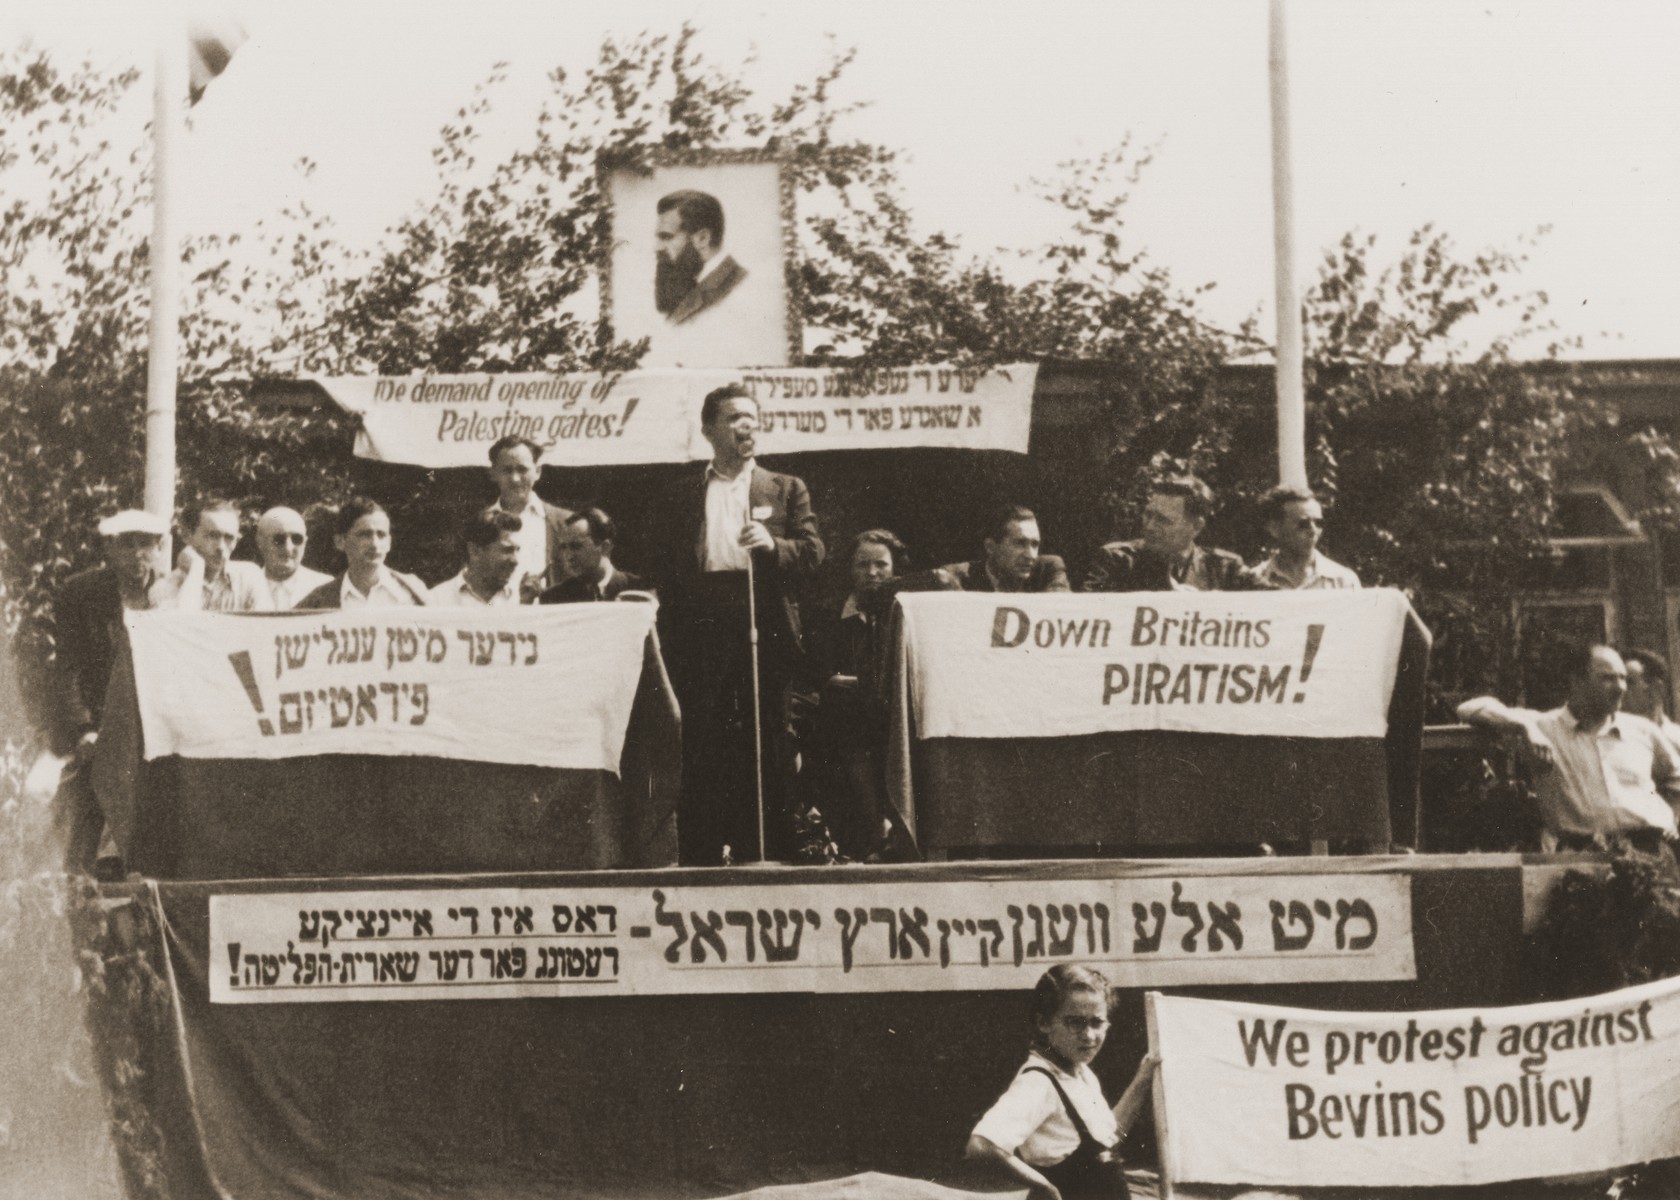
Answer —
(164, 258)
(1291, 403)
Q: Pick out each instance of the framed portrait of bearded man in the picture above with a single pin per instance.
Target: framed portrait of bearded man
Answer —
(700, 257)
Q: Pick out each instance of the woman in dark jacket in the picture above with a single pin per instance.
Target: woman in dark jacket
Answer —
(842, 773)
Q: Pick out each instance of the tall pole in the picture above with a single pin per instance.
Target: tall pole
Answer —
(1291, 404)
(758, 717)
(165, 261)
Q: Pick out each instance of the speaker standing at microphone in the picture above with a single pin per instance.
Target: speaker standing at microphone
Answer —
(733, 517)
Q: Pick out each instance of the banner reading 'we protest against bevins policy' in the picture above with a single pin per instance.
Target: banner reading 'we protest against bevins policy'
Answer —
(1318, 664)
(1266, 1096)
(547, 687)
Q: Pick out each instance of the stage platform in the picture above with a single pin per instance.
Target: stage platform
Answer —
(698, 1032)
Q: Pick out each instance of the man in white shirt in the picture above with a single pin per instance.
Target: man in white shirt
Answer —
(1294, 522)
(716, 522)
(1603, 778)
(363, 536)
(491, 576)
(206, 578)
(281, 538)
(515, 467)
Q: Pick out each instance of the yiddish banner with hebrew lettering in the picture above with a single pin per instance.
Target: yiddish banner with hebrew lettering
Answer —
(853, 936)
(1266, 1096)
(548, 686)
(1317, 664)
(654, 416)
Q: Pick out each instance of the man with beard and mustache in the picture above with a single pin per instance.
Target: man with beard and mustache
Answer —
(714, 523)
(692, 273)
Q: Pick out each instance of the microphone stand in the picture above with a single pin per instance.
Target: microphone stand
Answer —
(758, 731)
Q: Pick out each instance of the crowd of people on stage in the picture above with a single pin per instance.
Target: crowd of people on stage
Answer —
(731, 528)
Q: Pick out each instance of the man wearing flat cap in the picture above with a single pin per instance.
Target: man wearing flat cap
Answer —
(87, 616)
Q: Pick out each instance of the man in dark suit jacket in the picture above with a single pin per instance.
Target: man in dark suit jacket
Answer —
(692, 272)
(1166, 558)
(87, 617)
(1012, 562)
(586, 558)
(717, 520)
(718, 281)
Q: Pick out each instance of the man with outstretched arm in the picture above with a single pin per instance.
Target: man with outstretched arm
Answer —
(1604, 778)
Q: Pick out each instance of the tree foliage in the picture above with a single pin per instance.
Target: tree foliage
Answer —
(74, 300)
(1445, 457)
(1442, 462)
(1430, 453)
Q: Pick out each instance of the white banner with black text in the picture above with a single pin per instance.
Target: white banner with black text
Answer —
(1262, 1096)
(1317, 664)
(546, 686)
(654, 416)
(855, 936)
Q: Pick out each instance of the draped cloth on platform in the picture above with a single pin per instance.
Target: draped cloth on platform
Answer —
(647, 1095)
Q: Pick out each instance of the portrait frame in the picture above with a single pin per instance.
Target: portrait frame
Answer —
(758, 184)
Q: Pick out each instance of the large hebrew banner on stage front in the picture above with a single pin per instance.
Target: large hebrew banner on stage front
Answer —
(852, 936)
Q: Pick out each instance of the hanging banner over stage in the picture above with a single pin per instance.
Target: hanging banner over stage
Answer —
(1315, 664)
(548, 686)
(857, 936)
(654, 416)
(1266, 1096)
(962, 408)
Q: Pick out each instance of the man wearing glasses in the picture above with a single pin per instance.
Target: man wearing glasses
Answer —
(281, 538)
(1294, 521)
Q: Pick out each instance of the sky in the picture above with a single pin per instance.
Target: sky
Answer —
(1489, 120)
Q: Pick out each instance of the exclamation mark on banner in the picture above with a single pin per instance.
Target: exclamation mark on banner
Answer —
(233, 956)
(629, 407)
(242, 668)
(1315, 635)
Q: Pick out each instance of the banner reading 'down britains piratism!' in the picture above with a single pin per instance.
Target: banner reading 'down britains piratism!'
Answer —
(1317, 664)
(654, 416)
(549, 686)
(1266, 1096)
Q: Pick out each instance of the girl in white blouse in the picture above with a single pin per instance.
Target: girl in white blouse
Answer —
(1052, 1129)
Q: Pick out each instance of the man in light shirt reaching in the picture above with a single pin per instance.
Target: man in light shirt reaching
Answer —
(1604, 778)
